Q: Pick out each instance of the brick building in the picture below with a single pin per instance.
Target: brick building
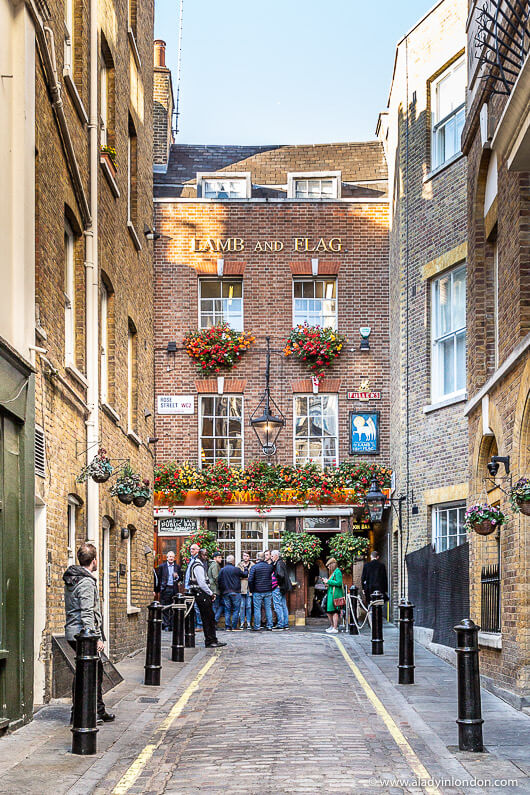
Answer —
(265, 238)
(94, 312)
(495, 140)
(420, 131)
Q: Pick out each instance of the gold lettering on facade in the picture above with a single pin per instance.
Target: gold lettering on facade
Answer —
(213, 245)
(335, 244)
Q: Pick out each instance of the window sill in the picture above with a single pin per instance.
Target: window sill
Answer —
(110, 177)
(134, 236)
(74, 94)
(41, 333)
(134, 47)
(132, 611)
(134, 438)
(493, 640)
(109, 411)
(77, 375)
(438, 170)
(442, 404)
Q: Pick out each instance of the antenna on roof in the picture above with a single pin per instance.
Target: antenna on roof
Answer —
(179, 62)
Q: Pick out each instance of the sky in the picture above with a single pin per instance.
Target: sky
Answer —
(283, 71)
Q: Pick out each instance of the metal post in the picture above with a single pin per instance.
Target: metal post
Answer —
(406, 643)
(468, 676)
(177, 646)
(189, 622)
(354, 591)
(84, 731)
(153, 649)
(377, 622)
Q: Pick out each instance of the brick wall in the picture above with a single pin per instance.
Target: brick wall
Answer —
(162, 105)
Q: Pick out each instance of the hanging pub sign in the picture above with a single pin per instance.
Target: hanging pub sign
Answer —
(176, 526)
(364, 392)
(364, 432)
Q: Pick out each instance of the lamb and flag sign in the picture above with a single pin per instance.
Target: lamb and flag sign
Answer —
(364, 432)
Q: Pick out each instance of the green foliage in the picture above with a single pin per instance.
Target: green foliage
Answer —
(206, 539)
(346, 548)
(301, 548)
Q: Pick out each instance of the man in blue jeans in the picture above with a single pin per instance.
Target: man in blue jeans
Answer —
(260, 585)
(279, 593)
(229, 583)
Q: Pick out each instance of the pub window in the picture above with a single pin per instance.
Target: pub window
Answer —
(69, 296)
(448, 94)
(448, 526)
(315, 302)
(449, 334)
(132, 377)
(225, 186)
(221, 429)
(221, 301)
(314, 185)
(315, 430)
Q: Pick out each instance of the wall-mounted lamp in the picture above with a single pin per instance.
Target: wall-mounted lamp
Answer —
(152, 439)
(171, 347)
(365, 332)
(493, 465)
(150, 234)
(147, 413)
(124, 533)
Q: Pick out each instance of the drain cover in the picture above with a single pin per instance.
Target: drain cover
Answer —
(148, 700)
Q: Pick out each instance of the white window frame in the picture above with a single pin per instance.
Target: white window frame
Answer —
(129, 578)
(205, 176)
(69, 295)
(104, 110)
(266, 542)
(130, 379)
(436, 512)
(309, 529)
(73, 504)
(438, 124)
(104, 355)
(314, 281)
(200, 415)
(220, 280)
(69, 37)
(105, 579)
(129, 178)
(295, 176)
(436, 341)
(309, 395)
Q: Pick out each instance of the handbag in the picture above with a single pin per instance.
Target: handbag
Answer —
(340, 601)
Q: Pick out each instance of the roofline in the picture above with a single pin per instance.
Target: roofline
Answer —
(283, 146)
(347, 200)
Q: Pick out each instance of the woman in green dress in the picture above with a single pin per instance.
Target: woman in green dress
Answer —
(335, 591)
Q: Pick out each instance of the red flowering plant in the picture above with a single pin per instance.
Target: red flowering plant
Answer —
(301, 548)
(263, 480)
(204, 538)
(218, 482)
(175, 480)
(217, 348)
(314, 346)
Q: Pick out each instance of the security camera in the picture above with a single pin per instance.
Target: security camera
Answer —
(493, 467)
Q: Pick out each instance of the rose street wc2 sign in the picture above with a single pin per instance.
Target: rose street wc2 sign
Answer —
(176, 404)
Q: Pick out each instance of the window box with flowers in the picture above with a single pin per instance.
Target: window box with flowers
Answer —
(484, 519)
(108, 154)
(218, 348)
(314, 346)
(520, 496)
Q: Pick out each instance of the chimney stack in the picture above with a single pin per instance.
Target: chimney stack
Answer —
(160, 52)
(163, 105)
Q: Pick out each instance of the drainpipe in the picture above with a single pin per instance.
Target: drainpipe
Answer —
(92, 284)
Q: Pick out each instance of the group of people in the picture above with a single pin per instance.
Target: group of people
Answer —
(241, 592)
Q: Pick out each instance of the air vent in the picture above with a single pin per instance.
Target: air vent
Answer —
(40, 453)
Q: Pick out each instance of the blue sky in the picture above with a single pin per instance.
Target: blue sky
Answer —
(283, 71)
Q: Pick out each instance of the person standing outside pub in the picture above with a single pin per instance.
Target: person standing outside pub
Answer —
(200, 588)
(214, 570)
(245, 612)
(374, 577)
(279, 593)
(260, 585)
(194, 551)
(167, 577)
(335, 591)
(230, 578)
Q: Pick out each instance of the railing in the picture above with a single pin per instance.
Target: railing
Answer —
(490, 614)
(501, 40)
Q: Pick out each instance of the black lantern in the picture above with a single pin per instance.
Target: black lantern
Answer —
(267, 425)
(375, 501)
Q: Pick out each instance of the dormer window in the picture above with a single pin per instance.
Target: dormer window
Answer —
(314, 185)
(223, 186)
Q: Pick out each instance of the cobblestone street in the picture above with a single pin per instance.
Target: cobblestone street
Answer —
(276, 712)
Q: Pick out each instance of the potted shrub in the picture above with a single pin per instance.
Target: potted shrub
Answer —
(520, 496)
(484, 519)
(301, 548)
(346, 548)
(217, 348)
(99, 469)
(142, 493)
(316, 347)
(126, 485)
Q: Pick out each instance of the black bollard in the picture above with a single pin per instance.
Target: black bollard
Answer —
(468, 676)
(177, 646)
(377, 622)
(84, 731)
(354, 591)
(406, 643)
(153, 649)
(189, 623)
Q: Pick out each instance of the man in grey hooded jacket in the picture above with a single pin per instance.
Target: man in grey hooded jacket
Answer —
(83, 611)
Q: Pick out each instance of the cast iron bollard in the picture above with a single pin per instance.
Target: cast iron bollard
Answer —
(406, 643)
(177, 646)
(153, 650)
(189, 622)
(353, 610)
(469, 709)
(377, 622)
(84, 731)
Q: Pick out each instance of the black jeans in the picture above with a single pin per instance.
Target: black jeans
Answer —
(100, 704)
(204, 603)
(166, 598)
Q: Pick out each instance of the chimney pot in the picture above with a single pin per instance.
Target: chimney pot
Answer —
(160, 52)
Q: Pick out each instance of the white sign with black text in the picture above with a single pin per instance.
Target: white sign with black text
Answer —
(176, 404)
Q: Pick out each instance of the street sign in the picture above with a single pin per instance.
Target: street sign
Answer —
(176, 404)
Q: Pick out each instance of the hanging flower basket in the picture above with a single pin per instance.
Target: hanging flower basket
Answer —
(314, 346)
(125, 498)
(218, 348)
(127, 485)
(520, 496)
(142, 494)
(99, 469)
(346, 548)
(302, 548)
(484, 519)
